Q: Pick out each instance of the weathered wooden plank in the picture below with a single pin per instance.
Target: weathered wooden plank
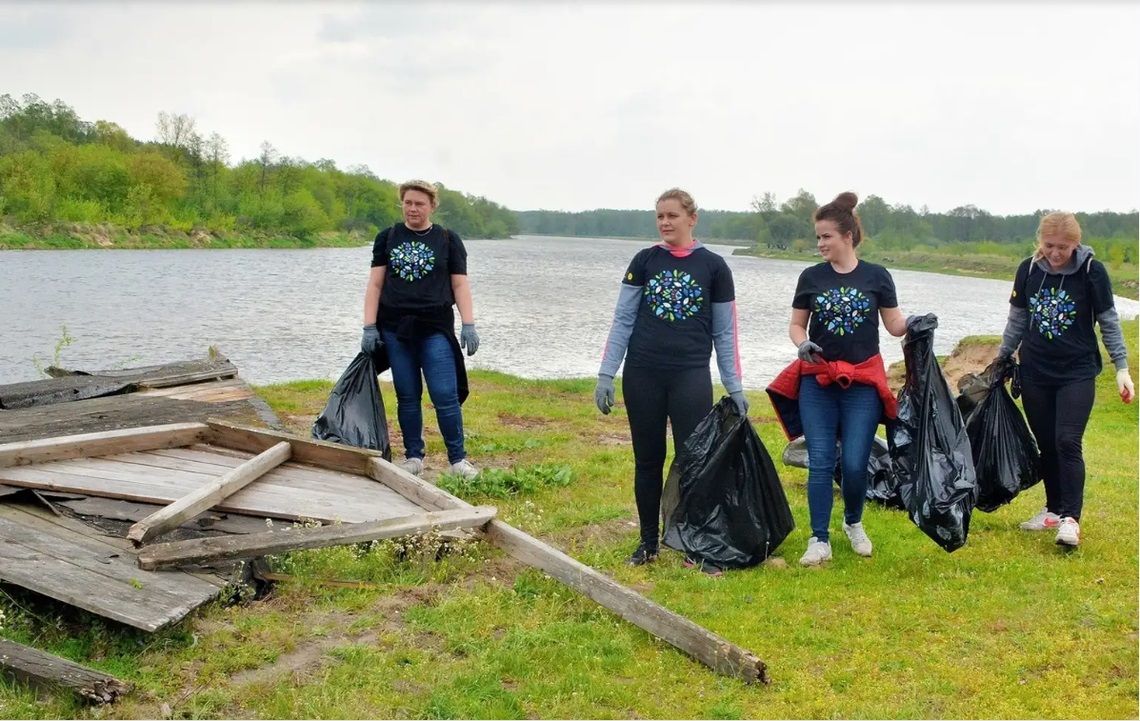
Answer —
(217, 459)
(121, 411)
(215, 463)
(215, 366)
(101, 443)
(133, 511)
(59, 390)
(33, 666)
(200, 391)
(282, 485)
(707, 647)
(79, 568)
(320, 453)
(350, 498)
(88, 551)
(207, 496)
(183, 379)
(70, 386)
(711, 649)
(164, 555)
(186, 476)
(263, 500)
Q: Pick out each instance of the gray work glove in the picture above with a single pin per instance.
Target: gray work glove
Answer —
(370, 342)
(740, 401)
(809, 352)
(604, 393)
(468, 338)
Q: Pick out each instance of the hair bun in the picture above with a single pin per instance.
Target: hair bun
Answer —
(846, 201)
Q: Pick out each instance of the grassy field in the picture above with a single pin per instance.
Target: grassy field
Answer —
(1010, 626)
(951, 262)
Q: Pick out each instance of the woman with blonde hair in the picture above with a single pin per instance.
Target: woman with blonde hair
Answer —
(1058, 295)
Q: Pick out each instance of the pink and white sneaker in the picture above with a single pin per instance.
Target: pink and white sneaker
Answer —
(1043, 521)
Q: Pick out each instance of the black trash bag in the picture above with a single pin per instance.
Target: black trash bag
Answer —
(354, 414)
(930, 452)
(880, 480)
(1006, 460)
(723, 502)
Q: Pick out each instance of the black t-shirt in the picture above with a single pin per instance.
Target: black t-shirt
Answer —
(844, 308)
(419, 267)
(1059, 345)
(673, 329)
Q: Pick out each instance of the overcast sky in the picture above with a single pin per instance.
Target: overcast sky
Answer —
(576, 106)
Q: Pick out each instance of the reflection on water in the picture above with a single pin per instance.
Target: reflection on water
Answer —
(543, 307)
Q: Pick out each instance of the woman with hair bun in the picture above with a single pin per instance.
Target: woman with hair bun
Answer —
(837, 388)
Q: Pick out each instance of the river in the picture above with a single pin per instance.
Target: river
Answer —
(543, 307)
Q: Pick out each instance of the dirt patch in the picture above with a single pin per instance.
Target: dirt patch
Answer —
(603, 534)
(972, 358)
(510, 420)
(311, 654)
(611, 439)
(298, 424)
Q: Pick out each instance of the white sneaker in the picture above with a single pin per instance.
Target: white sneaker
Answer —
(415, 466)
(1069, 532)
(817, 552)
(858, 537)
(1043, 521)
(464, 468)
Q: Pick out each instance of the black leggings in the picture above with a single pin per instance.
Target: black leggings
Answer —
(651, 396)
(1058, 416)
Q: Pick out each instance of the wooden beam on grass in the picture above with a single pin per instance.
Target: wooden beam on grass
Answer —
(33, 666)
(334, 456)
(220, 548)
(210, 495)
(102, 443)
(707, 647)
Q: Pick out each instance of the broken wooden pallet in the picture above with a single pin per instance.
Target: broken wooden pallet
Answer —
(70, 562)
(707, 647)
(195, 551)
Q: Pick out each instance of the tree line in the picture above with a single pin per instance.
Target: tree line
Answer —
(787, 225)
(57, 168)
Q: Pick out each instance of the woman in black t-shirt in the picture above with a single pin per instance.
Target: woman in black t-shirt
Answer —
(419, 271)
(677, 302)
(835, 327)
(1058, 295)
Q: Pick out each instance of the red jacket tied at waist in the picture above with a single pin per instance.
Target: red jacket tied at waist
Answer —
(784, 391)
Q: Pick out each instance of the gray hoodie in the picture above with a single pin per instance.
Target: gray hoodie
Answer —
(1109, 320)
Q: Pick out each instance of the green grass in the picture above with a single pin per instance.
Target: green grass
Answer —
(1008, 626)
(951, 261)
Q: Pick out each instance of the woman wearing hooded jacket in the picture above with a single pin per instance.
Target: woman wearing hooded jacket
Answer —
(1058, 294)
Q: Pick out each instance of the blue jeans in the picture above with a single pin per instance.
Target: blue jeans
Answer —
(830, 413)
(432, 357)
